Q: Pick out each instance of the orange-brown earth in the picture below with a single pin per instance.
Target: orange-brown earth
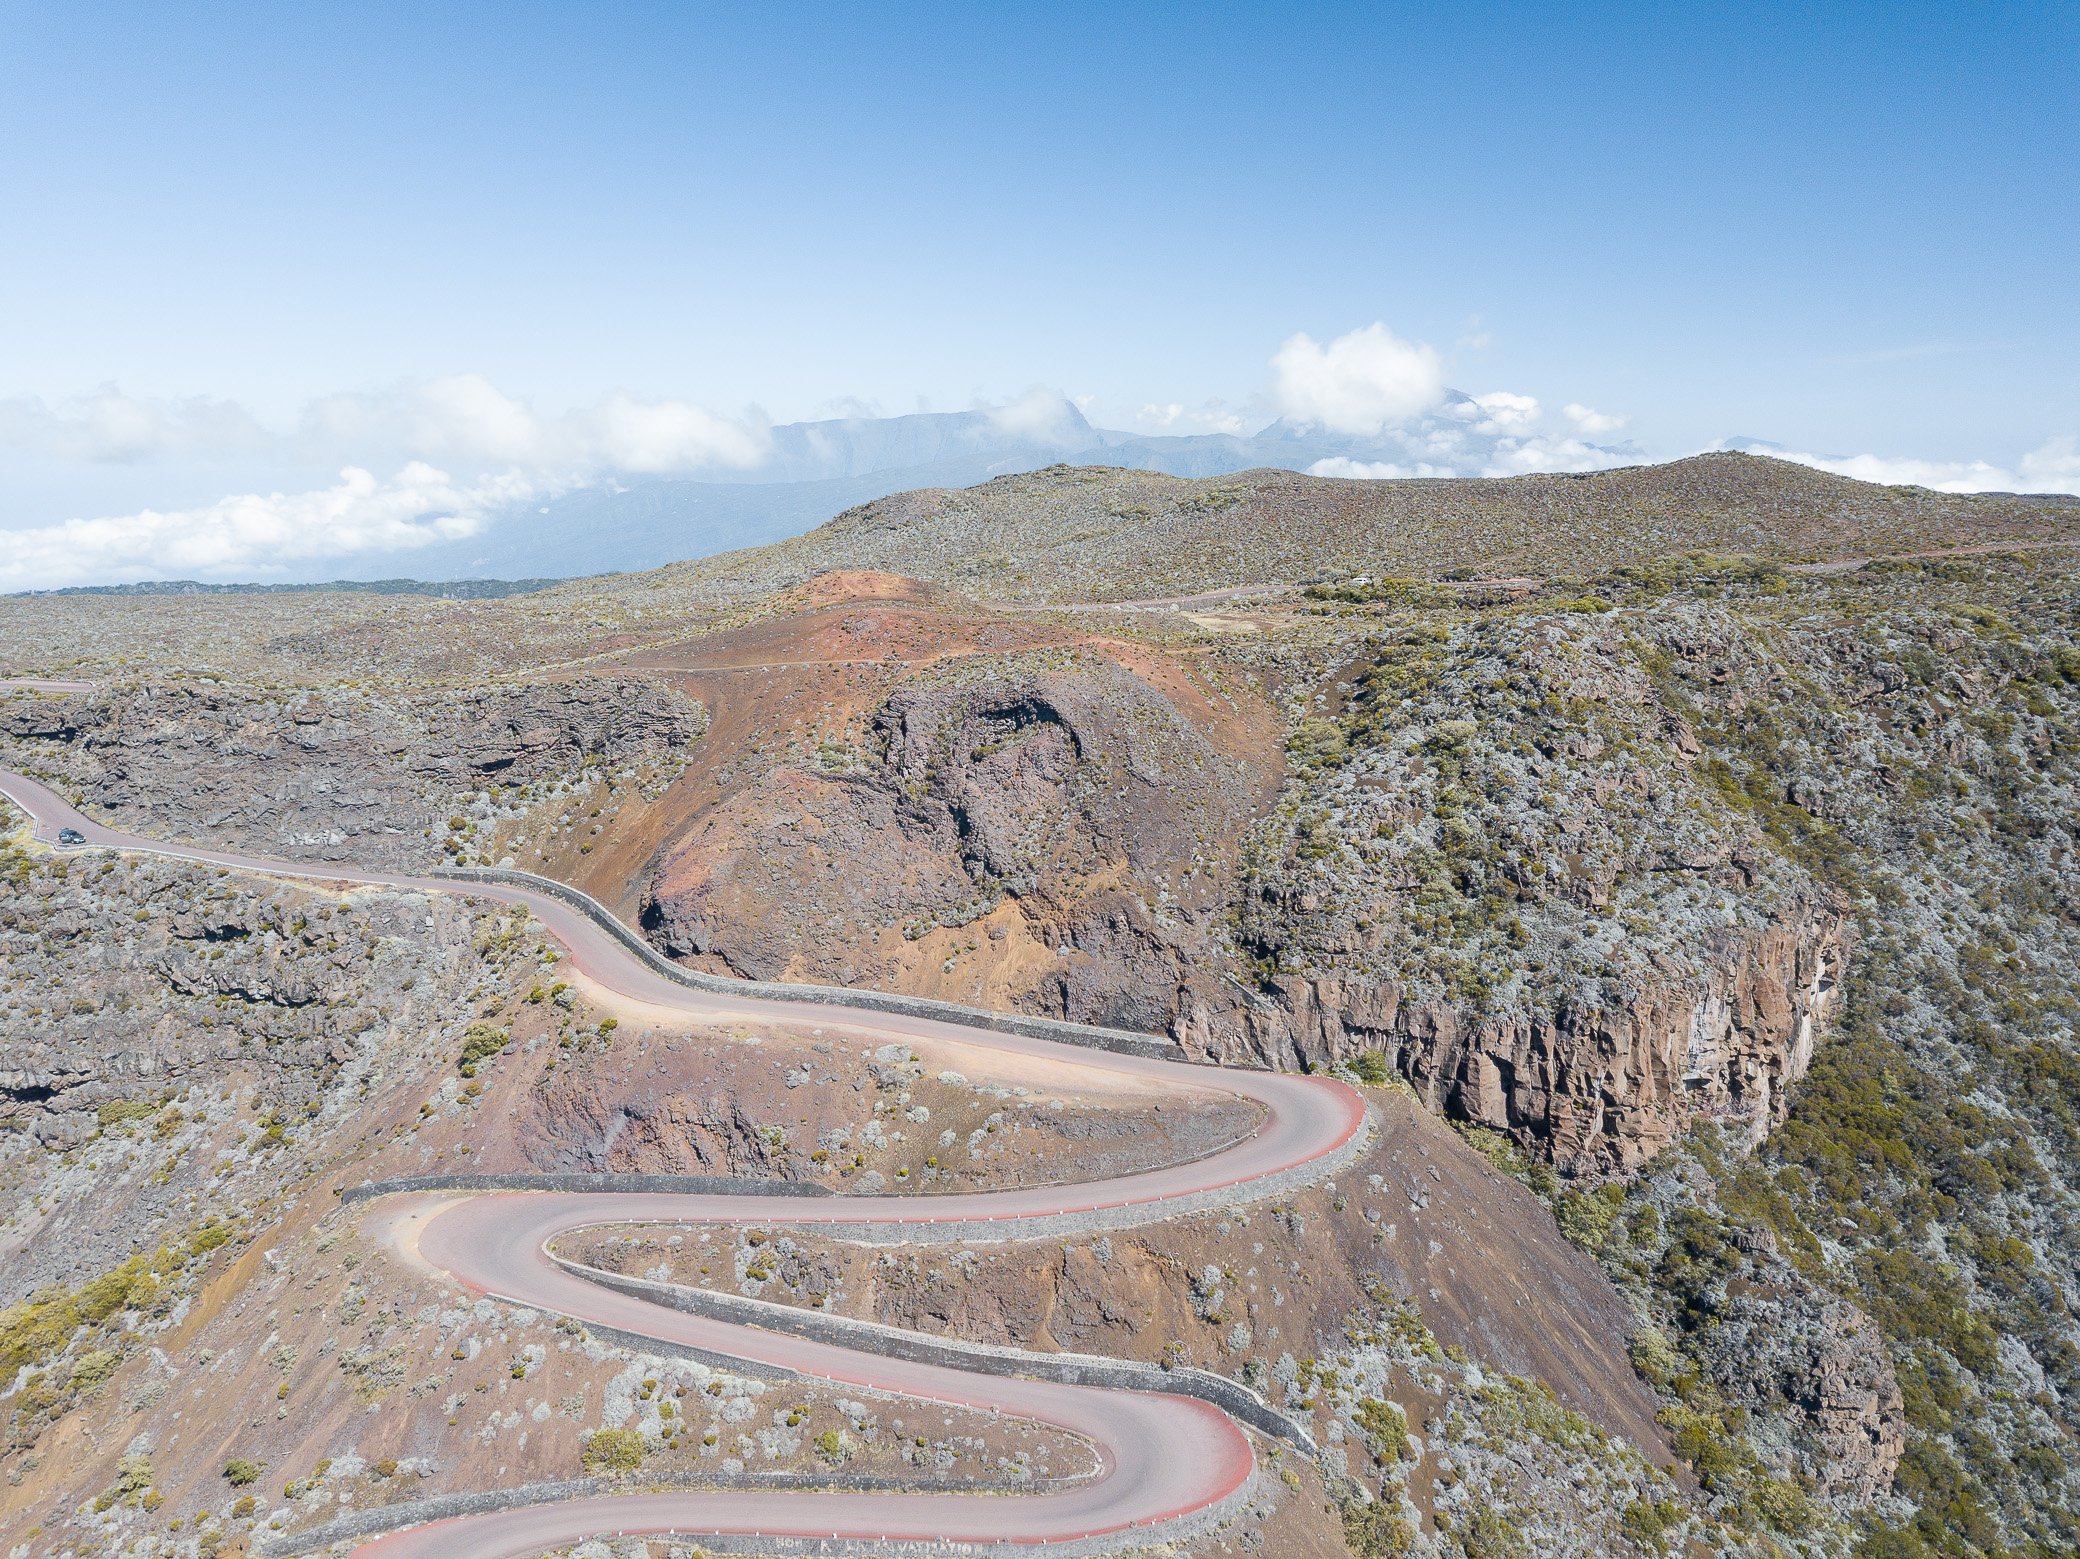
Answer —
(824, 829)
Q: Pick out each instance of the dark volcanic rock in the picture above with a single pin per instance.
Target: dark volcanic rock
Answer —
(338, 775)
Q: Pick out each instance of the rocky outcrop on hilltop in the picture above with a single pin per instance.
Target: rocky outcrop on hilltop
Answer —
(1067, 791)
(335, 774)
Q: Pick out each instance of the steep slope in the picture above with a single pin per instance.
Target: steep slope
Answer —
(1610, 869)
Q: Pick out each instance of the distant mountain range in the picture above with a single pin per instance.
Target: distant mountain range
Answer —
(816, 470)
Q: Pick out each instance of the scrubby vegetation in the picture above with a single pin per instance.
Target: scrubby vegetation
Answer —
(613, 1452)
(1525, 807)
(480, 1042)
(62, 1343)
(1511, 1471)
(1899, 734)
(1565, 762)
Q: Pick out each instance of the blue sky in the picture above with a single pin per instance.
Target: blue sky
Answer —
(1850, 229)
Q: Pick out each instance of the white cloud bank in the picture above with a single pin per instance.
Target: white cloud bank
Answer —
(1589, 422)
(2052, 468)
(111, 427)
(1358, 383)
(1041, 416)
(1447, 452)
(1389, 396)
(456, 418)
(499, 449)
(463, 449)
(465, 417)
(256, 534)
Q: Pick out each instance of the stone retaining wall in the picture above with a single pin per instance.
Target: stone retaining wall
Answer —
(1069, 1369)
(445, 1507)
(1090, 1036)
(643, 1344)
(676, 1185)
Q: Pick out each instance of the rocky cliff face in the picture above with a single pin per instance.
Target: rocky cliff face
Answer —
(1594, 1086)
(334, 774)
(1496, 863)
(152, 1008)
(1493, 861)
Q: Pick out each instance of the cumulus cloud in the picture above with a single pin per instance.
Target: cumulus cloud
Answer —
(2052, 468)
(1452, 456)
(659, 436)
(1374, 470)
(1522, 456)
(1495, 433)
(1502, 412)
(109, 426)
(1590, 422)
(1358, 383)
(256, 534)
(1043, 416)
(467, 418)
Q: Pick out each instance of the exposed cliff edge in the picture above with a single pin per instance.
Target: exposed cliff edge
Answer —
(1532, 906)
(1604, 1086)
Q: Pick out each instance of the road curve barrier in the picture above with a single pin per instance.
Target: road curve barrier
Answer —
(1067, 1369)
(1090, 1036)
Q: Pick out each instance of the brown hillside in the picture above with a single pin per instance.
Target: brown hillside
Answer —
(1091, 533)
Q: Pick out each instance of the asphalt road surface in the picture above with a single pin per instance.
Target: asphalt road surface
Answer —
(42, 685)
(1163, 1459)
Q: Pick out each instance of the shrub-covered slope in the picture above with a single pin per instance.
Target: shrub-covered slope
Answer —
(1890, 1275)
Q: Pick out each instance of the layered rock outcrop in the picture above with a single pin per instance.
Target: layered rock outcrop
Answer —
(1597, 1085)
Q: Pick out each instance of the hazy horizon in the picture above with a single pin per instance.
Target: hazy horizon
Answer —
(288, 290)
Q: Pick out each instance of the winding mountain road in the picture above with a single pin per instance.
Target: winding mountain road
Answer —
(1164, 1460)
